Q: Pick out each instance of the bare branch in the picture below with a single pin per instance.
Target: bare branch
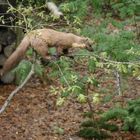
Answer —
(62, 74)
(118, 82)
(106, 61)
(13, 93)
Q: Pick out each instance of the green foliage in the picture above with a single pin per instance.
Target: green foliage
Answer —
(31, 14)
(100, 124)
(92, 65)
(79, 8)
(73, 83)
(117, 45)
(39, 70)
(75, 8)
(113, 47)
(132, 121)
(88, 133)
(126, 8)
(130, 116)
(93, 129)
(97, 4)
(92, 133)
(114, 114)
(88, 123)
(121, 8)
(62, 66)
(109, 127)
(31, 2)
(88, 114)
(22, 70)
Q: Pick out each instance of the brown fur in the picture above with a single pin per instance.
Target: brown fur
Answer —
(41, 40)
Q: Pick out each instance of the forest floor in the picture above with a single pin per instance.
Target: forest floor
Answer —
(33, 115)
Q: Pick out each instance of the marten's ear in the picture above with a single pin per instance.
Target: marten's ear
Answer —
(87, 38)
(90, 41)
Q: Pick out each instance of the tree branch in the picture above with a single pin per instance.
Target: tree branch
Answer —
(106, 61)
(13, 93)
(118, 82)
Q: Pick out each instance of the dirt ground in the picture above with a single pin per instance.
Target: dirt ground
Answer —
(32, 115)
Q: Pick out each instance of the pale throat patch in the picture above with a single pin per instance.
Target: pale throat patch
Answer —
(77, 45)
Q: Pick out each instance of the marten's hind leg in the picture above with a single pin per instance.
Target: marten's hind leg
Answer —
(45, 56)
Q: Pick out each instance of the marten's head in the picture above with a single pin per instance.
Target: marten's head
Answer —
(84, 43)
(88, 43)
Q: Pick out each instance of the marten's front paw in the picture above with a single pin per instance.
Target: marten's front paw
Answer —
(55, 57)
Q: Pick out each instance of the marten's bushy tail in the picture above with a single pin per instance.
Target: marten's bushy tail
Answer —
(16, 56)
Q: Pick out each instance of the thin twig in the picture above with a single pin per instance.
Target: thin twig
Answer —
(9, 26)
(118, 82)
(13, 93)
(107, 60)
(63, 75)
(24, 17)
(88, 99)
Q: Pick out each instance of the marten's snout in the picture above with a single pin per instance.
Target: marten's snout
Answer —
(89, 44)
(89, 48)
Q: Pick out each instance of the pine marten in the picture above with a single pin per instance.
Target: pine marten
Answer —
(40, 40)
